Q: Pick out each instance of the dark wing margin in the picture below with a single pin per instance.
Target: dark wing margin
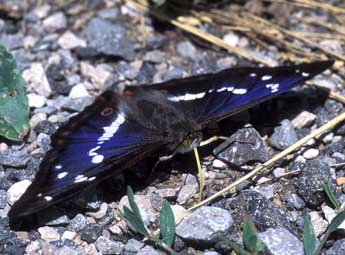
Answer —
(212, 97)
(99, 142)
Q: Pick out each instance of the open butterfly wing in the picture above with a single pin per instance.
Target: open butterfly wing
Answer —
(98, 142)
(212, 97)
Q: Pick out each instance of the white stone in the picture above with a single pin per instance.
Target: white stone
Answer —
(100, 213)
(178, 211)
(33, 247)
(118, 228)
(29, 41)
(17, 190)
(71, 235)
(78, 90)
(311, 153)
(218, 164)
(98, 75)
(231, 39)
(37, 118)
(41, 11)
(69, 40)
(49, 234)
(328, 137)
(303, 119)
(36, 80)
(318, 223)
(36, 101)
(55, 22)
(330, 213)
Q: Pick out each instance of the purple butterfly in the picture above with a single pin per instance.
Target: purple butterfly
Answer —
(117, 131)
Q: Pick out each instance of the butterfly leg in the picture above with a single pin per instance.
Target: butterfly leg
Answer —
(161, 159)
(212, 139)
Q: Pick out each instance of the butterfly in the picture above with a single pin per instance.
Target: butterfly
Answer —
(117, 131)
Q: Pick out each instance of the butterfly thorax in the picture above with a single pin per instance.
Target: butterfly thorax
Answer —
(190, 142)
(167, 120)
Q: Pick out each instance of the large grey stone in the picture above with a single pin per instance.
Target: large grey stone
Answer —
(204, 225)
(279, 241)
(109, 39)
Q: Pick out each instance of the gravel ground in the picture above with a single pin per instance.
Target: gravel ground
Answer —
(70, 53)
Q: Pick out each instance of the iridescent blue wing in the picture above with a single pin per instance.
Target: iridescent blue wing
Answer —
(212, 97)
(100, 141)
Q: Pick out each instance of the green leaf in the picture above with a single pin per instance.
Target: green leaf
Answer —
(132, 203)
(167, 223)
(336, 222)
(238, 249)
(14, 107)
(309, 238)
(135, 213)
(136, 222)
(328, 189)
(250, 236)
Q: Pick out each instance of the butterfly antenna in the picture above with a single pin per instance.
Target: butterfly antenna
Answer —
(200, 174)
(161, 159)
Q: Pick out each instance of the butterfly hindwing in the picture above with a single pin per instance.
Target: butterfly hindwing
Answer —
(98, 142)
(212, 97)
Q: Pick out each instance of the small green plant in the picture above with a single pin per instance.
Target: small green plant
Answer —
(167, 222)
(328, 190)
(309, 238)
(14, 107)
(251, 241)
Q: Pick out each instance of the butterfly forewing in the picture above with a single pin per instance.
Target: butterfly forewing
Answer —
(100, 141)
(212, 97)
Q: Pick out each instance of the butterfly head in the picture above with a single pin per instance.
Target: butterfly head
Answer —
(191, 141)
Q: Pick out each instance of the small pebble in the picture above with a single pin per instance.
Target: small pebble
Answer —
(186, 193)
(98, 75)
(49, 234)
(54, 22)
(36, 80)
(17, 190)
(37, 118)
(42, 11)
(71, 235)
(304, 119)
(133, 246)
(283, 136)
(118, 228)
(329, 214)
(278, 172)
(311, 153)
(319, 224)
(107, 246)
(218, 164)
(296, 201)
(36, 101)
(186, 50)
(33, 247)
(78, 90)
(232, 39)
(337, 248)
(69, 40)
